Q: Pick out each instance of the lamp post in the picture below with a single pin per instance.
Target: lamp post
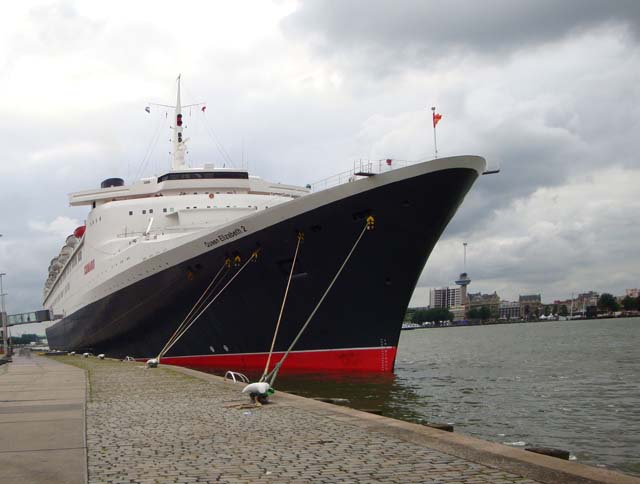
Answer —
(5, 343)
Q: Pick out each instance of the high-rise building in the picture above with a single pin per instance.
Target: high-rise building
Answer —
(445, 297)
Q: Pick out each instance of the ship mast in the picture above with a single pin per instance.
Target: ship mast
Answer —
(179, 144)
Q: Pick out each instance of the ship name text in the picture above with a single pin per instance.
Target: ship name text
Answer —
(225, 236)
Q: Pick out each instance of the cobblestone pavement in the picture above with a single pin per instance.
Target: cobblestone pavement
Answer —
(162, 426)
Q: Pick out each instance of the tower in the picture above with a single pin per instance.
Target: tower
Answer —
(464, 280)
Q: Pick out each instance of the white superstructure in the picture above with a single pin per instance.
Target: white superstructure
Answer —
(128, 226)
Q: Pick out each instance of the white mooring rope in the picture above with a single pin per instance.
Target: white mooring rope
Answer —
(284, 300)
(271, 376)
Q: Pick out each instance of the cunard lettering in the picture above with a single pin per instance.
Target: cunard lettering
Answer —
(89, 266)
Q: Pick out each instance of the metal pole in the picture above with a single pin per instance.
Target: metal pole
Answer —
(465, 257)
(435, 144)
(5, 343)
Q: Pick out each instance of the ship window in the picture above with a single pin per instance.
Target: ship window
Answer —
(171, 210)
(150, 210)
(239, 175)
(130, 212)
(143, 212)
(164, 210)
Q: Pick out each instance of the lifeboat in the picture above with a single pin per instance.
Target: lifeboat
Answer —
(79, 232)
(72, 240)
(56, 265)
(65, 253)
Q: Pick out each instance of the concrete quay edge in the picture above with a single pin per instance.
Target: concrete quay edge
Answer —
(541, 468)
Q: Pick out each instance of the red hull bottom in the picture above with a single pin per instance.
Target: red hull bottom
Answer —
(379, 360)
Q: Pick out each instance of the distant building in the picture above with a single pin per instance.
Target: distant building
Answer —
(491, 301)
(587, 299)
(445, 297)
(458, 312)
(509, 310)
(530, 305)
(635, 292)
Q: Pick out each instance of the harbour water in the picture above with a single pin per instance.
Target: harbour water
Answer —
(572, 385)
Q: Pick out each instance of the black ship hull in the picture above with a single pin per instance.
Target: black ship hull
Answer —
(356, 328)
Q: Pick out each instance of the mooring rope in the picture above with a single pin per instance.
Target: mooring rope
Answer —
(185, 320)
(284, 300)
(272, 375)
(251, 258)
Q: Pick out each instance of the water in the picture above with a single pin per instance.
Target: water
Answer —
(572, 385)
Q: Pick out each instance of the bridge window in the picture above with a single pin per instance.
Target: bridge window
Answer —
(238, 175)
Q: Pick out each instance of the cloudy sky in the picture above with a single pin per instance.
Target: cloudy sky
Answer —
(548, 91)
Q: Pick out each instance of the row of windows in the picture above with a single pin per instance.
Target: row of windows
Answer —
(164, 210)
(238, 175)
(171, 210)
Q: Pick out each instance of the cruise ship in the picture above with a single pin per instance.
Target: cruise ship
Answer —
(211, 252)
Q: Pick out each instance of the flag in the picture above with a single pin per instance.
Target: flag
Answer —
(436, 117)
(147, 109)
(203, 108)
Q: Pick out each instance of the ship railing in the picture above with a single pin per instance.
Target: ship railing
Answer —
(361, 169)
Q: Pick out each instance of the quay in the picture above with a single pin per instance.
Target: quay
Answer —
(174, 425)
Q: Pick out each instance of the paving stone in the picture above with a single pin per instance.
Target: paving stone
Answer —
(160, 426)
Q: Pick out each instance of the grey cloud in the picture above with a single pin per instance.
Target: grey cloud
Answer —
(59, 27)
(385, 35)
(570, 238)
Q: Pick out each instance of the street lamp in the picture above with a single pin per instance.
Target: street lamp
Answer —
(4, 318)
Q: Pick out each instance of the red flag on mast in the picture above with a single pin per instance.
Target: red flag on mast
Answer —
(436, 118)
